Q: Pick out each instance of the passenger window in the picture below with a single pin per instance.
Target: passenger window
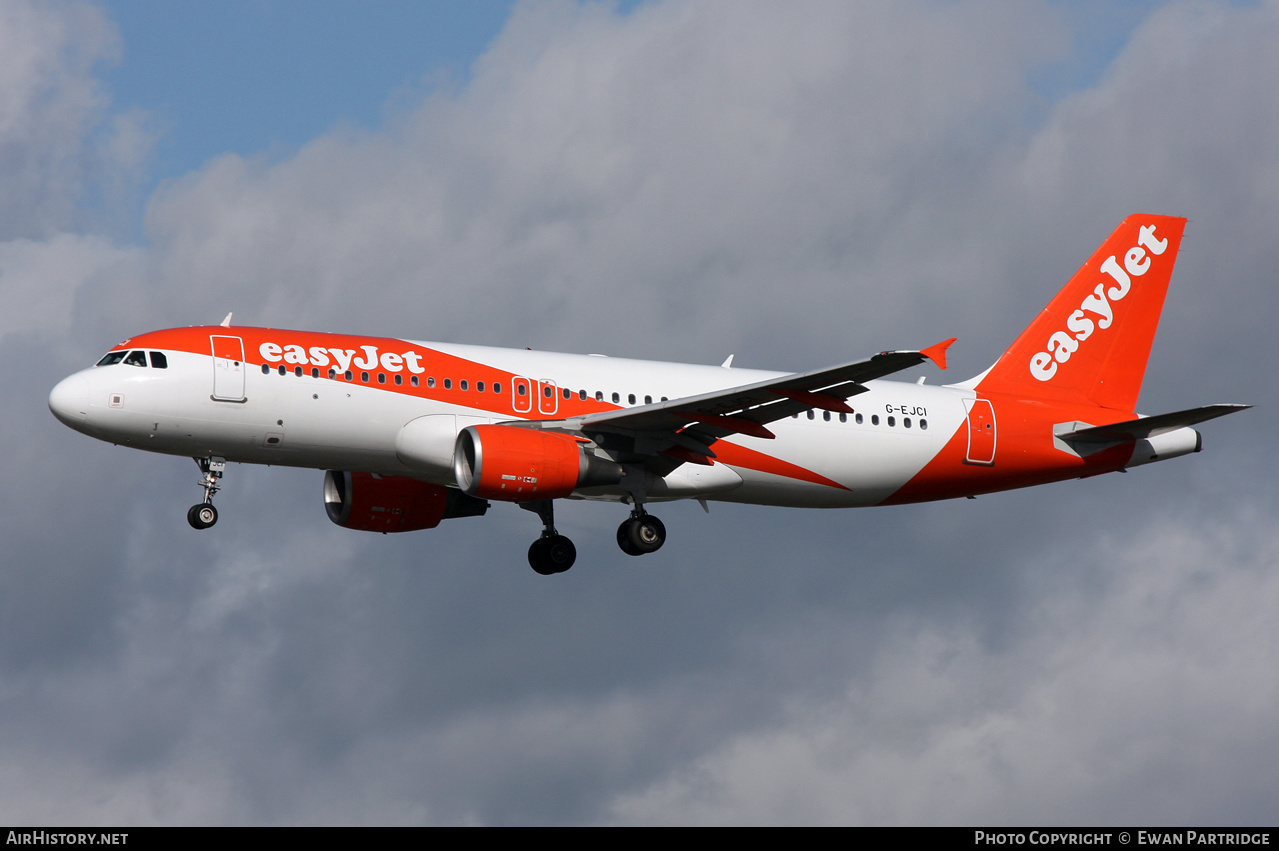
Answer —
(810, 413)
(616, 398)
(430, 381)
(159, 361)
(874, 419)
(297, 370)
(923, 425)
(347, 375)
(648, 400)
(111, 358)
(631, 398)
(547, 391)
(497, 387)
(413, 381)
(333, 373)
(568, 394)
(843, 418)
(479, 386)
(858, 418)
(266, 369)
(364, 376)
(315, 372)
(136, 359)
(521, 390)
(599, 395)
(282, 369)
(464, 384)
(892, 421)
(381, 378)
(399, 379)
(826, 416)
(906, 422)
(448, 384)
(581, 395)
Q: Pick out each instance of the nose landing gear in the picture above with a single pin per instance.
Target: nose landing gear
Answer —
(202, 515)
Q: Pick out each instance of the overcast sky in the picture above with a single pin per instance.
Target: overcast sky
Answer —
(795, 183)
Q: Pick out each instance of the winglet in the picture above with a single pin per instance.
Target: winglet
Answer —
(937, 352)
(226, 323)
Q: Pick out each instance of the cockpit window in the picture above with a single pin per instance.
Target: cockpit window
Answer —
(136, 359)
(112, 358)
(159, 361)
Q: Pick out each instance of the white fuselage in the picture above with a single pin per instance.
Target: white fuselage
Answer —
(323, 423)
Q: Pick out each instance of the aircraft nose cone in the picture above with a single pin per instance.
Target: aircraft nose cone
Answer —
(69, 400)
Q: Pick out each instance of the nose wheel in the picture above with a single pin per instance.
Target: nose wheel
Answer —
(640, 534)
(202, 515)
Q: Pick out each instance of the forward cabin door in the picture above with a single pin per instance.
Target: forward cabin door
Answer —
(981, 432)
(228, 368)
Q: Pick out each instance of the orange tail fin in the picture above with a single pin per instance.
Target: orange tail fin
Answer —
(1091, 343)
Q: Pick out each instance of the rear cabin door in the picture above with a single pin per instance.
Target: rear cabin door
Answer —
(981, 432)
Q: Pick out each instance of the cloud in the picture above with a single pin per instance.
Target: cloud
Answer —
(60, 156)
(682, 181)
(1116, 703)
(615, 167)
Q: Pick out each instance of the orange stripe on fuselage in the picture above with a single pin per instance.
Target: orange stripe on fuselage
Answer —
(1024, 453)
(431, 363)
(435, 364)
(739, 456)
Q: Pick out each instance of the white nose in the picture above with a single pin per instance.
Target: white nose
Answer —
(69, 400)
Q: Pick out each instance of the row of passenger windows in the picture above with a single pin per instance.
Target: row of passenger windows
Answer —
(158, 360)
(520, 389)
(548, 390)
(364, 376)
(874, 419)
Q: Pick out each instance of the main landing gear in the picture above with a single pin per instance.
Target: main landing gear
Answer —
(552, 553)
(641, 533)
(202, 515)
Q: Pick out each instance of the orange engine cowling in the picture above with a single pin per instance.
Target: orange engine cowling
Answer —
(373, 503)
(521, 465)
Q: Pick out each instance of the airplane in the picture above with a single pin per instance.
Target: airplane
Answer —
(411, 433)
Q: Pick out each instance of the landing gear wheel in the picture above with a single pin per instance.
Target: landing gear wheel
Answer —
(640, 535)
(624, 538)
(202, 515)
(552, 554)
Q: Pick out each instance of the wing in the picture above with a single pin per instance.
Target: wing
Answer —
(666, 434)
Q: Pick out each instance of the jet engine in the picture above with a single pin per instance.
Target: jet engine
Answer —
(373, 503)
(521, 464)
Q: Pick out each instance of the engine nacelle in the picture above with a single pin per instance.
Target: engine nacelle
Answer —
(373, 503)
(522, 464)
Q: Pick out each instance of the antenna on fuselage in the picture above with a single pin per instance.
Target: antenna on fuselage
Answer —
(226, 323)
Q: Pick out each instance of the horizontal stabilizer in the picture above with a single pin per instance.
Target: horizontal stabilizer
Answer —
(1146, 427)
